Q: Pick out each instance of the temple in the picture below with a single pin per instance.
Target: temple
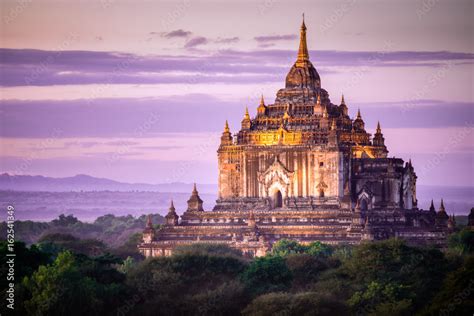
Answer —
(303, 169)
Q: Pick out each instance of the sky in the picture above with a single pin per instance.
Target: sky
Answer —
(138, 91)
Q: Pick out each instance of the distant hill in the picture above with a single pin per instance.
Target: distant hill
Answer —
(39, 197)
(83, 182)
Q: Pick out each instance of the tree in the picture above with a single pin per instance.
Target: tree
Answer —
(456, 296)
(284, 247)
(413, 272)
(462, 242)
(127, 265)
(267, 274)
(305, 269)
(64, 220)
(208, 249)
(57, 242)
(317, 248)
(74, 285)
(379, 297)
(26, 260)
(59, 289)
(205, 283)
(305, 303)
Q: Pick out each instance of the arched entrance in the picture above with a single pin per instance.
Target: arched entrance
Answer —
(277, 199)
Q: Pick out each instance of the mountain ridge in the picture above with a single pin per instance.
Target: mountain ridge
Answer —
(84, 182)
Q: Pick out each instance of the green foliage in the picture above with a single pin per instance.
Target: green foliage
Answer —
(129, 248)
(65, 221)
(377, 296)
(285, 247)
(73, 286)
(305, 303)
(57, 242)
(226, 299)
(415, 272)
(59, 288)
(377, 278)
(114, 231)
(205, 283)
(267, 274)
(456, 296)
(342, 253)
(269, 304)
(207, 249)
(305, 269)
(127, 265)
(27, 260)
(317, 248)
(26, 231)
(462, 242)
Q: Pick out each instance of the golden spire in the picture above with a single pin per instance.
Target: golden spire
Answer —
(226, 127)
(247, 115)
(303, 55)
(262, 102)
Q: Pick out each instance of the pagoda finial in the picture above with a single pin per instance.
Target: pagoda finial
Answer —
(246, 115)
(303, 55)
(379, 130)
(226, 127)
(342, 99)
(441, 208)
(358, 114)
(262, 101)
(195, 191)
(172, 209)
(432, 208)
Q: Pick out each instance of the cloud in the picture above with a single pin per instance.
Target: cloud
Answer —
(29, 67)
(227, 40)
(196, 41)
(203, 113)
(174, 34)
(275, 38)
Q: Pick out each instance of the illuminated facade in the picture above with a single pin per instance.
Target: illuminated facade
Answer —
(303, 169)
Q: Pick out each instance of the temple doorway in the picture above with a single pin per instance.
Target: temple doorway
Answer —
(277, 199)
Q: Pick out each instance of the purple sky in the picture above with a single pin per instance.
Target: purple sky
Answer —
(138, 91)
